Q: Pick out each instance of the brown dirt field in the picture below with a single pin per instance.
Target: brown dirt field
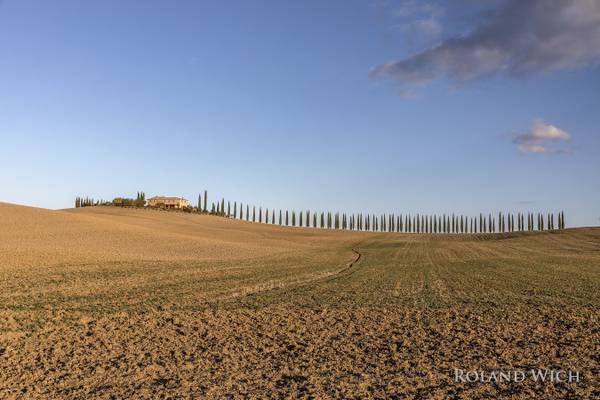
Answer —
(103, 302)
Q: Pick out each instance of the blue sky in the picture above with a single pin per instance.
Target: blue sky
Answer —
(350, 106)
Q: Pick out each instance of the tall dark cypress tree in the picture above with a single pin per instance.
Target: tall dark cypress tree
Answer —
(266, 216)
(253, 213)
(228, 209)
(293, 218)
(205, 201)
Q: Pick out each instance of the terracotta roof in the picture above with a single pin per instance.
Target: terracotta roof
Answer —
(166, 198)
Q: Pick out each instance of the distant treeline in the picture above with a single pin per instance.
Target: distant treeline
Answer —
(406, 223)
(139, 201)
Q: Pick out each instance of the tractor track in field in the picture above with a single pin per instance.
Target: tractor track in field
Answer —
(349, 266)
(278, 285)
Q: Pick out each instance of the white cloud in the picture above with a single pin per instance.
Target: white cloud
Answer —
(539, 136)
(519, 38)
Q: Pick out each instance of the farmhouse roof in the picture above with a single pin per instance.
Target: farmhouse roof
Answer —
(166, 198)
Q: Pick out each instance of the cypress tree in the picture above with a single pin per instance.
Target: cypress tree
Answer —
(280, 217)
(314, 220)
(300, 218)
(205, 201)
(199, 202)
(293, 218)
(241, 211)
(521, 222)
(266, 216)
(273, 217)
(228, 209)
(287, 218)
(222, 206)
(253, 213)
(235, 210)
(260, 215)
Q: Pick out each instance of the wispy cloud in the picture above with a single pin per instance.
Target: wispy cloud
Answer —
(519, 38)
(419, 21)
(538, 138)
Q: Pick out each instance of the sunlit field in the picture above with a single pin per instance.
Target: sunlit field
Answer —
(113, 303)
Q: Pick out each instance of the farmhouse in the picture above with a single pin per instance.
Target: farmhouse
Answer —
(168, 202)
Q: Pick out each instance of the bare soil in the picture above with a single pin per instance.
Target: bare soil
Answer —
(102, 302)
